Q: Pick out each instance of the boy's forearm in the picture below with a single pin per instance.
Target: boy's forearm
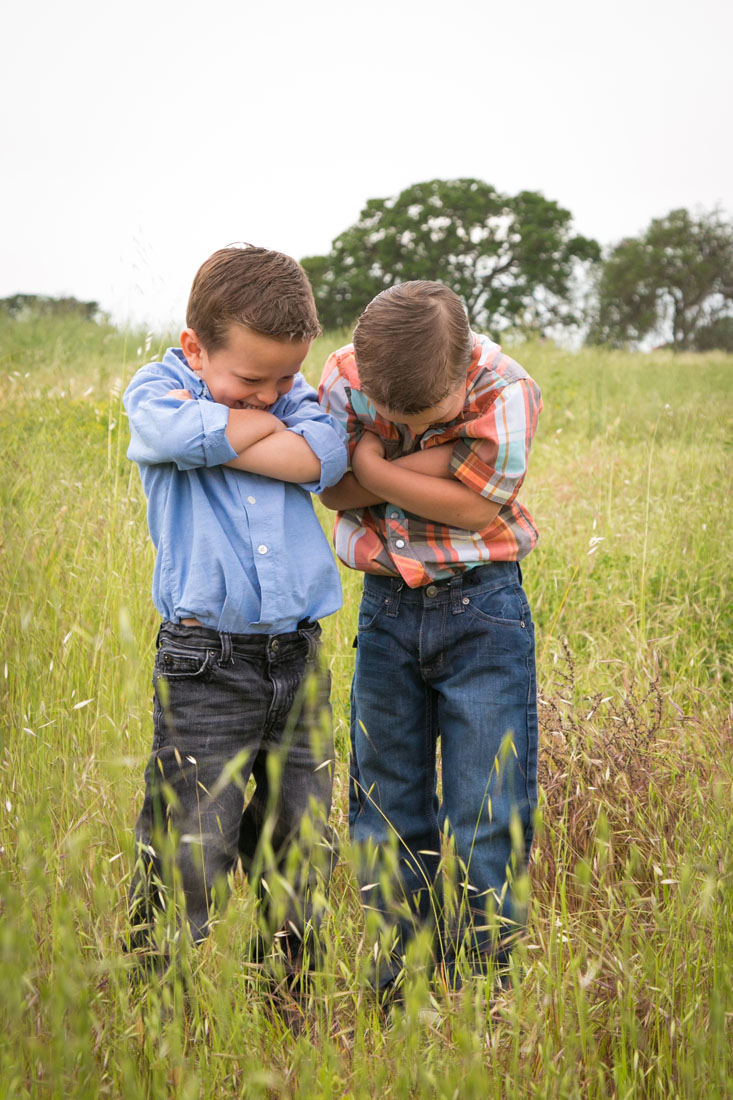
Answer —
(246, 427)
(282, 455)
(348, 493)
(434, 461)
(438, 498)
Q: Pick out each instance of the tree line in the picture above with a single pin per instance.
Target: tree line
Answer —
(22, 306)
(517, 264)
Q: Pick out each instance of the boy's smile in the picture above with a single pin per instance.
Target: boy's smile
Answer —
(251, 371)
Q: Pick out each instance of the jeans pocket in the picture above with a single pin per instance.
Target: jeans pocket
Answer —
(502, 606)
(371, 611)
(177, 663)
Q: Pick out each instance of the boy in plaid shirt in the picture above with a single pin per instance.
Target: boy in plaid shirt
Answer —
(439, 423)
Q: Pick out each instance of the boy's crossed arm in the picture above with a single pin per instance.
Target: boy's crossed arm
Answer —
(265, 446)
(279, 453)
(421, 483)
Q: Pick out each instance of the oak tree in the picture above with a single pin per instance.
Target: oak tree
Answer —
(674, 283)
(512, 259)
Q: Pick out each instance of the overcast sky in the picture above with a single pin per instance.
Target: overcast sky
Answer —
(141, 136)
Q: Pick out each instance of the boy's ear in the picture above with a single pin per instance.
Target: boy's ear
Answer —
(192, 349)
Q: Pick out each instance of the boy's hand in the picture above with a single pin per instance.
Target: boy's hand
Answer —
(180, 395)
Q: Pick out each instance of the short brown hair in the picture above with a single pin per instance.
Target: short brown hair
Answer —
(245, 285)
(413, 346)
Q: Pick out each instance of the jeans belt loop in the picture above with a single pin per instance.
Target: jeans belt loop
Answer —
(225, 657)
(309, 636)
(393, 600)
(456, 594)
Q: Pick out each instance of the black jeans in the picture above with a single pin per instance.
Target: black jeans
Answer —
(227, 707)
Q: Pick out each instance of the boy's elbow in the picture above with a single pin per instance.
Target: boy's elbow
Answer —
(307, 464)
(482, 514)
(330, 498)
(333, 468)
(313, 470)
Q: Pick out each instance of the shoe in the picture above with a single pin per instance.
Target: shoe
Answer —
(288, 1008)
(390, 1004)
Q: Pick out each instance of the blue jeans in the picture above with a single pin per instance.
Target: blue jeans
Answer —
(453, 660)
(227, 707)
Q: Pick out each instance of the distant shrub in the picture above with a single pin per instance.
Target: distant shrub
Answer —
(717, 336)
(23, 307)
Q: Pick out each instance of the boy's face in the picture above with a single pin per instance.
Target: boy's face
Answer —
(445, 411)
(251, 371)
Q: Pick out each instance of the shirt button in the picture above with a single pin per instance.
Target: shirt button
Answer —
(394, 515)
(431, 591)
(400, 543)
(262, 549)
(251, 500)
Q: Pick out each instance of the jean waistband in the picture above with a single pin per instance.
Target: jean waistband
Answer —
(497, 574)
(249, 645)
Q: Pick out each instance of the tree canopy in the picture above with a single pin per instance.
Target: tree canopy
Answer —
(674, 282)
(511, 259)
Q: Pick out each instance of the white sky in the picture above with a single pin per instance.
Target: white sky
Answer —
(143, 135)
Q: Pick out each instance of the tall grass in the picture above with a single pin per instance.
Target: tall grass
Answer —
(626, 966)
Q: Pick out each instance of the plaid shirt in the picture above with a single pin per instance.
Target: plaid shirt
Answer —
(491, 438)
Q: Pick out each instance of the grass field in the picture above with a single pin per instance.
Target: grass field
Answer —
(627, 986)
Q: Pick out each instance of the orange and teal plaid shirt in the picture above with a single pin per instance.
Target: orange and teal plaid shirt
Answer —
(491, 439)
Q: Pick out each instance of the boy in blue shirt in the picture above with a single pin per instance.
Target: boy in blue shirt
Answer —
(230, 442)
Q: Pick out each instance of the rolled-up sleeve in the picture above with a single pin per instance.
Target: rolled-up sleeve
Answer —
(334, 393)
(322, 432)
(492, 453)
(165, 429)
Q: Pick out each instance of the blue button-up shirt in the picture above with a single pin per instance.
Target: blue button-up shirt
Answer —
(241, 552)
